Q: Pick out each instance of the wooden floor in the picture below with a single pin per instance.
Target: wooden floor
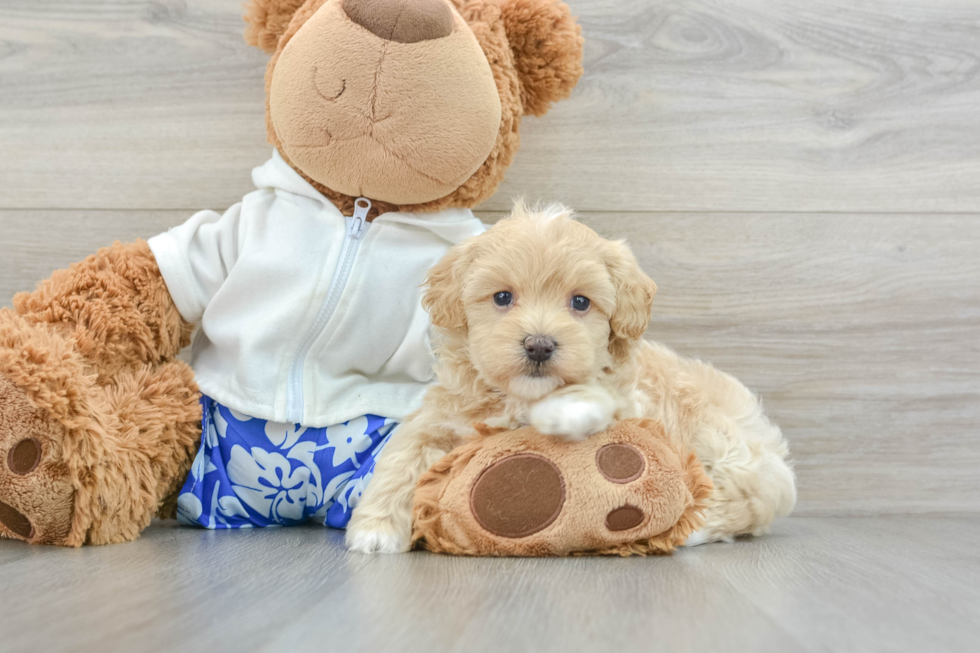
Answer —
(802, 180)
(893, 583)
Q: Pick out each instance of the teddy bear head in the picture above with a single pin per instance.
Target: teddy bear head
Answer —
(414, 104)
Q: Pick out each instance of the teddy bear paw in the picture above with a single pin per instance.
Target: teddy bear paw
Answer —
(630, 489)
(35, 491)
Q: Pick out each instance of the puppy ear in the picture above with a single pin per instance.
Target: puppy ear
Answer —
(267, 21)
(547, 47)
(442, 294)
(634, 293)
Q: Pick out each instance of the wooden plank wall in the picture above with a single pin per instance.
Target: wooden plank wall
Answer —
(802, 179)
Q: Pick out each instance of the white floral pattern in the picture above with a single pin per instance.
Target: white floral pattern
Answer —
(348, 440)
(283, 436)
(252, 472)
(267, 483)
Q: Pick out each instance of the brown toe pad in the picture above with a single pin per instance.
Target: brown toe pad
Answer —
(620, 463)
(624, 518)
(518, 496)
(36, 493)
(15, 522)
(24, 457)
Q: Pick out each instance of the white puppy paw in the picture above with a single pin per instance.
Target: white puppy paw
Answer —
(377, 537)
(697, 538)
(570, 417)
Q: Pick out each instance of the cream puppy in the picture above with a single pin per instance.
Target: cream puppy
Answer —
(540, 321)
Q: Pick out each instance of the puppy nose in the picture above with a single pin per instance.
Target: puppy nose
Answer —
(539, 348)
(404, 21)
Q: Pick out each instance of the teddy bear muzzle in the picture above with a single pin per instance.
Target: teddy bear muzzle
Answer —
(402, 21)
(393, 100)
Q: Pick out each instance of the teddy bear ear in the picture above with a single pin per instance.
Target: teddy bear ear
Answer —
(547, 46)
(267, 21)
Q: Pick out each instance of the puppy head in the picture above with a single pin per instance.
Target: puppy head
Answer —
(542, 301)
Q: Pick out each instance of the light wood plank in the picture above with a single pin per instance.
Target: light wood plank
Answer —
(118, 104)
(540, 605)
(816, 584)
(825, 581)
(35, 243)
(860, 332)
(840, 105)
(173, 586)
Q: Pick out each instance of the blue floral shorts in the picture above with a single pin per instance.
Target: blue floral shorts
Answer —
(251, 472)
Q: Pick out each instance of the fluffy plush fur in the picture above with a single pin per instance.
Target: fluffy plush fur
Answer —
(601, 371)
(111, 452)
(114, 306)
(669, 492)
(268, 20)
(541, 36)
(116, 418)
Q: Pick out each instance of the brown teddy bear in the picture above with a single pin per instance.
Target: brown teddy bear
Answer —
(390, 118)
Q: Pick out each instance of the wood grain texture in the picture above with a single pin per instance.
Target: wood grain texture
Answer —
(801, 178)
(737, 105)
(859, 331)
(816, 584)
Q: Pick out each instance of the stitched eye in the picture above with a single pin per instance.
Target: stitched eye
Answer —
(503, 298)
(580, 303)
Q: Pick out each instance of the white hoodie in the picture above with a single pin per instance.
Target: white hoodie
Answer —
(307, 316)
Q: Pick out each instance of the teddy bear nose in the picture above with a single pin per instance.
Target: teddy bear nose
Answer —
(539, 348)
(404, 21)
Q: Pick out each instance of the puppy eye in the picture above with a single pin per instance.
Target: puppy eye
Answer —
(580, 303)
(503, 298)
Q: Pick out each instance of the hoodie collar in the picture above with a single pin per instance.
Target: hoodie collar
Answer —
(453, 225)
(277, 175)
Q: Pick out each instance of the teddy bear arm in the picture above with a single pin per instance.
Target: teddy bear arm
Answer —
(113, 306)
(83, 459)
(99, 421)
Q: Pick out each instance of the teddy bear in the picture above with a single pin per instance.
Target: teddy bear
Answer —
(390, 120)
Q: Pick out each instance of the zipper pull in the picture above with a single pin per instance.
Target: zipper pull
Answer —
(359, 222)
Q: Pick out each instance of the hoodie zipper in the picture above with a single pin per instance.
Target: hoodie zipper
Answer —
(356, 226)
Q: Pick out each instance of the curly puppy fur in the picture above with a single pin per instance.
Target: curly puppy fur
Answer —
(601, 371)
(534, 48)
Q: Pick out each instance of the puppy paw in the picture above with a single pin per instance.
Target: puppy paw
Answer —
(697, 538)
(570, 417)
(377, 536)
